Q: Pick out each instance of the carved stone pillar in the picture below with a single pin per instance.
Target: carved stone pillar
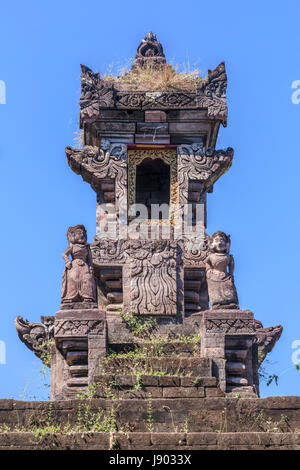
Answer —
(228, 336)
(80, 337)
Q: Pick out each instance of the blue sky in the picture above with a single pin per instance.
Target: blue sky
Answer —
(257, 201)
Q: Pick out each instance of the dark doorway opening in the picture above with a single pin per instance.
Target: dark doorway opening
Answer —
(153, 185)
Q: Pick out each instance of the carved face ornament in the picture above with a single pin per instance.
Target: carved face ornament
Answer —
(77, 235)
(219, 244)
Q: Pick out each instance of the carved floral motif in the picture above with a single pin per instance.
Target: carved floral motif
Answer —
(72, 328)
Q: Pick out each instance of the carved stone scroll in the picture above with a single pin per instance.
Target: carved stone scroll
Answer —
(153, 277)
(94, 164)
(266, 339)
(95, 94)
(212, 94)
(35, 335)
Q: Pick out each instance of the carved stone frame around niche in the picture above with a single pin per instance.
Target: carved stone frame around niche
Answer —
(168, 156)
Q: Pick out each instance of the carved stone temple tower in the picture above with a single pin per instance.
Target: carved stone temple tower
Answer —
(149, 139)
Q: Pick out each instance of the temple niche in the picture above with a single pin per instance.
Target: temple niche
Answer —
(150, 155)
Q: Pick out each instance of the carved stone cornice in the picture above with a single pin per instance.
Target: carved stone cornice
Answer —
(35, 335)
(200, 164)
(97, 93)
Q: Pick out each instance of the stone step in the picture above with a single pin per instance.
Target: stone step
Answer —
(171, 348)
(132, 386)
(172, 365)
(156, 381)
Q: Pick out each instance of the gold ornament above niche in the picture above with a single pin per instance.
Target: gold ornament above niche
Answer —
(169, 157)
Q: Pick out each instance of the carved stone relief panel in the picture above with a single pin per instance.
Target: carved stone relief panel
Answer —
(153, 285)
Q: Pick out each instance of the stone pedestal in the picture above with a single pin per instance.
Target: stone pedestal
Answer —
(229, 337)
(80, 341)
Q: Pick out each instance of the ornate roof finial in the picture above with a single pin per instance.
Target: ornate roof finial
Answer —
(150, 52)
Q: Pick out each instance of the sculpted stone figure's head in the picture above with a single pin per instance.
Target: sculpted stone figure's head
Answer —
(77, 234)
(220, 242)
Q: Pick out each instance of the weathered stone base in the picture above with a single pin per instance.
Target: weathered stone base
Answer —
(152, 441)
(208, 414)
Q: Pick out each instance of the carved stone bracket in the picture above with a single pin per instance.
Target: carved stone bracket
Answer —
(266, 339)
(35, 335)
(200, 164)
(96, 165)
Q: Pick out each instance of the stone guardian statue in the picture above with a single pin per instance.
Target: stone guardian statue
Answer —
(78, 277)
(219, 273)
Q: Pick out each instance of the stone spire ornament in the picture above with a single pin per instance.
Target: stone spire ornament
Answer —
(150, 52)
